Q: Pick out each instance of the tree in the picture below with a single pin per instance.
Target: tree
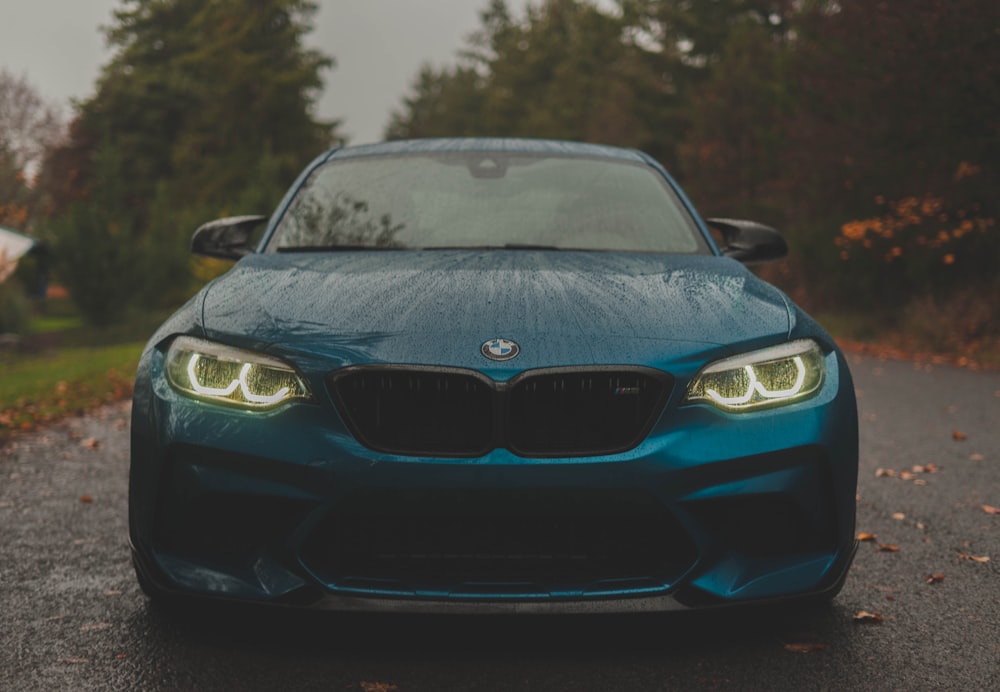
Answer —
(29, 126)
(197, 92)
(100, 255)
(203, 107)
(731, 154)
(567, 69)
(894, 151)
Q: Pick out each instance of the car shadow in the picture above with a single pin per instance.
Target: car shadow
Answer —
(490, 636)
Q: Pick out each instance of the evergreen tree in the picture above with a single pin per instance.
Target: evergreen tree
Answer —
(204, 106)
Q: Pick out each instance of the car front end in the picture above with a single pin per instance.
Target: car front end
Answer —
(408, 471)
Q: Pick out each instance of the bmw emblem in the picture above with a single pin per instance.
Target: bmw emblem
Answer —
(500, 349)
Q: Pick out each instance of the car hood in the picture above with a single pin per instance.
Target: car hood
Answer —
(439, 306)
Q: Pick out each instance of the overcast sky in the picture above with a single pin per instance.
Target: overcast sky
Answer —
(378, 45)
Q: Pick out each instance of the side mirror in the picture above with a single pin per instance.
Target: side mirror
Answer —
(749, 241)
(227, 238)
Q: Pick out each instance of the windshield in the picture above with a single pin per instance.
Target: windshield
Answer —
(482, 199)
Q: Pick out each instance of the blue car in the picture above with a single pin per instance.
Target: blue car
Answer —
(491, 375)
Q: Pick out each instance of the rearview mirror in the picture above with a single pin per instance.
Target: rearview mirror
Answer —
(228, 238)
(749, 241)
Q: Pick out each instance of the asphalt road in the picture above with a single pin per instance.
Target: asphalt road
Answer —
(72, 616)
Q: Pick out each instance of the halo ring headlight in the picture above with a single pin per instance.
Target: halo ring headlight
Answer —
(233, 376)
(765, 378)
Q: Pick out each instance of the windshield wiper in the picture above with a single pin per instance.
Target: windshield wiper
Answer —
(506, 246)
(336, 248)
(529, 246)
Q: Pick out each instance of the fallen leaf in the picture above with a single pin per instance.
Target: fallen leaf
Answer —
(120, 656)
(958, 435)
(974, 558)
(898, 516)
(86, 498)
(919, 481)
(991, 510)
(975, 456)
(884, 473)
(804, 648)
(112, 592)
(95, 627)
(866, 617)
(906, 475)
(935, 578)
(377, 686)
(90, 443)
(888, 548)
(866, 536)
(925, 468)
(72, 661)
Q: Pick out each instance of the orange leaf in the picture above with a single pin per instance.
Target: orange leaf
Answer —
(888, 548)
(898, 516)
(90, 443)
(958, 435)
(974, 558)
(804, 648)
(883, 473)
(377, 686)
(991, 510)
(86, 498)
(865, 616)
(975, 456)
(95, 626)
(866, 536)
(935, 578)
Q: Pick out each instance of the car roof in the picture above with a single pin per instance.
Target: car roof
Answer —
(490, 144)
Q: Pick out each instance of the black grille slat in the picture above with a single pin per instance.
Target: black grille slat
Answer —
(581, 413)
(418, 412)
(451, 412)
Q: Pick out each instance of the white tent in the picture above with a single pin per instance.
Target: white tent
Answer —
(12, 246)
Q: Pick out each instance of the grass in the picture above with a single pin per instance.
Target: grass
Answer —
(939, 341)
(851, 326)
(39, 389)
(68, 367)
(46, 324)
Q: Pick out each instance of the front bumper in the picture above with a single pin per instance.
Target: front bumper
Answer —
(712, 509)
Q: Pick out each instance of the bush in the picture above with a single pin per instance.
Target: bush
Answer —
(110, 257)
(955, 323)
(15, 310)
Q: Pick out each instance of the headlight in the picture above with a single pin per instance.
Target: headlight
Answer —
(228, 375)
(760, 379)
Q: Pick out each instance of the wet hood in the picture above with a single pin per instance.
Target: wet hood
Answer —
(438, 307)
